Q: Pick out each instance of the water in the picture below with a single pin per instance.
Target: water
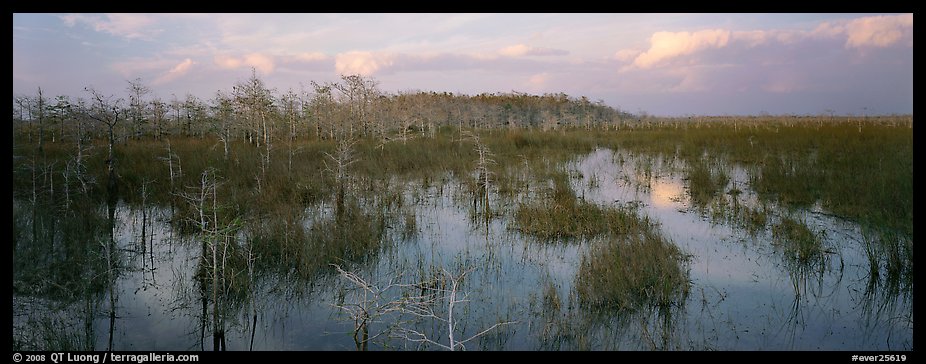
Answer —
(744, 294)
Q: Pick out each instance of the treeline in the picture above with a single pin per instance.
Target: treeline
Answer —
(252, 112)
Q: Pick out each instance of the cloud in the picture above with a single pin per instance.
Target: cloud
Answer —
(133, 68)
(667, 45)
(361, 63)
(227, 62)
(179, 70)
(627, 55)
(310, 57)
(260, 62)
(130, 26)
(878, 31)
(768, 45)
(752, 38)
(870, 31)
(519, 50)
(538, 81)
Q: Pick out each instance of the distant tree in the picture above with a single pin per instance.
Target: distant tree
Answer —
(106, 111)
(223, 115)
(255, 104)
(159, 111)
(137, 91)
(40, 108)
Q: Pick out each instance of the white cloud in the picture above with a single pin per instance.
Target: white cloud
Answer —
(260, 62)
(361, 63)
(519, 50)
(310, 57)
(870, 31)
(131, 26)
(752, 38)
(227, 62)
(180, 69)
(879, 31)
(627, 55)
(667, 45)
(538, 81)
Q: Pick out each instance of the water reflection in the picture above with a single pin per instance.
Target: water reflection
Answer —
(136, 285)
(666, 193)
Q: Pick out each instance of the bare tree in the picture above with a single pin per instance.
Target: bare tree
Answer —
(106, 112)
(224, 114)
(255, 102)
(322, 106)
(291, 114)
(423, 307)
(374, 302)
(158, 112)
(175, 174)
(40, 107)
(137, 91)
(483, 174)
(369, 307)
(176, 107)
(215, 237)
(337, 164)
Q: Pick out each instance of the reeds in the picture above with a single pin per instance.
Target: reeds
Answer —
(632, 272)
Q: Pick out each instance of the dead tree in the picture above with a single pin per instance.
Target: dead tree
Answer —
(137, 91)
(106, 112)
(484, 161)
(418, 300)
(337, 165)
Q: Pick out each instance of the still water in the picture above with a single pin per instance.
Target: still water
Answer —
(744, 294)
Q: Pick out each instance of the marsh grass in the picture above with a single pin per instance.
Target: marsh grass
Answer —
(890, 261)
(798, 242)
(632, 272)
(863, 175)
(51, 333)
(561, 215)
(705, 182)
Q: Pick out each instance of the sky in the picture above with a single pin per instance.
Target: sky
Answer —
(661, 64)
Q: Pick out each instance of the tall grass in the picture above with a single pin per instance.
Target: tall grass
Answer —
(561, 215)
(632, 272)
(862, 174)
(797, 240)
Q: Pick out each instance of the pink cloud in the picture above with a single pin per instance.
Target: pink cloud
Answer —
(260, 62)
(668, 45)
(870, 31)
(227, 62)
(179, 70)
(878, 31)
(310, 57)
(519, 50)
(131, 26)
(538, 81)
(627, 55)
(361, 63)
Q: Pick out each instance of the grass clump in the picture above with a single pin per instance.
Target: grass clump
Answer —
(798, 241)
(563, 215)
(704, 184)
(632, 272)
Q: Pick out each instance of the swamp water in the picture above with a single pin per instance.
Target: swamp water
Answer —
(744, 292)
